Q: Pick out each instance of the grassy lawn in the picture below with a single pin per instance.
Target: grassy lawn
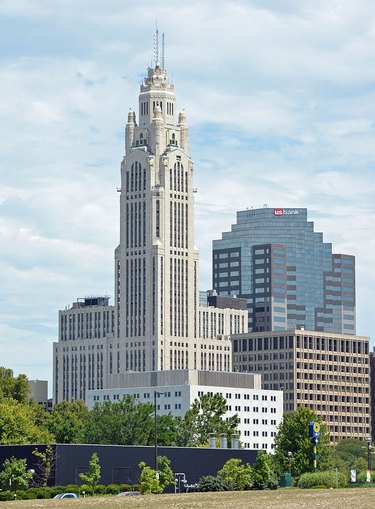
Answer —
(279, 499)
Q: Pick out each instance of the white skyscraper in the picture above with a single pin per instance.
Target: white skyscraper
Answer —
(157, 263)
(158, 322)
(157, 290)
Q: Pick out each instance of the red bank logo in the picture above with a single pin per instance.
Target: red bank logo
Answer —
(285, 212)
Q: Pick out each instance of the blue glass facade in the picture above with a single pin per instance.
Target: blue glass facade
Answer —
(289, 276)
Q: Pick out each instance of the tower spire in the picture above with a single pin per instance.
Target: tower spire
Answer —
(157, 55)
(156, 47)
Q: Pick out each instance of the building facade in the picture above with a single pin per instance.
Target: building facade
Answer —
(38, 391)
(158, 317)
(87, 318)
(82, 355)
(157, 321)
(328, 373)
(289, 276)
(372, 393)
(259, 410)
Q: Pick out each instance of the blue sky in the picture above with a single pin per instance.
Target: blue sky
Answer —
(280, 100)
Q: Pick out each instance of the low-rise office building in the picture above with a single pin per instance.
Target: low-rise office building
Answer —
(326, 372)
(259, 410)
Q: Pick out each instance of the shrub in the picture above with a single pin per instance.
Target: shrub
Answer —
(325, 479)
(100, 489)
(71, 488)
(129, 487)
(113, 489)
(5, 496)
(211, 483)
(273, 483)
(44, 493)
(237, 474)
(263, 476)
(23, 495)
(55, 490)
(87, 489)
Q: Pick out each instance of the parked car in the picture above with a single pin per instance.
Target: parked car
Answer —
(66, 495)
(129, 493)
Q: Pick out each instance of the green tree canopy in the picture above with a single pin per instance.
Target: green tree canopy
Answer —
(68, 422)
(169, 430)
(206, 416)
(12, 387)
(18, 424)
(351, 453)
(293, 437)
(14, 475)
(125, 422)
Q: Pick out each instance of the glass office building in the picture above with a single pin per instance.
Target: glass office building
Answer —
(289, 276)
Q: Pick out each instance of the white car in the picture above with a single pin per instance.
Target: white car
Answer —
(66, 495)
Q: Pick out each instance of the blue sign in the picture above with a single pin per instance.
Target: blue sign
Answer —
(314, 432)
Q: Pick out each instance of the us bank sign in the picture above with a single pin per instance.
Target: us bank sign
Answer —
(285, 212)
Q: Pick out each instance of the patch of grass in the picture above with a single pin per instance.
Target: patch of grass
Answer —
(281, 499)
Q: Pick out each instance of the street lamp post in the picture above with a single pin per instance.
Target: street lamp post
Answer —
(290, 462)
(156, 393)
(369, 447)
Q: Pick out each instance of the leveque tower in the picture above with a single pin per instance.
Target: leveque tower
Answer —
(157, 262)
(156, 322)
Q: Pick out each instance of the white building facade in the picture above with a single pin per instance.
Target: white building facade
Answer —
(259, 411)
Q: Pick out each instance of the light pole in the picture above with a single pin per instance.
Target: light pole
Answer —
(369, 447)
(156, 393)
(290, 462)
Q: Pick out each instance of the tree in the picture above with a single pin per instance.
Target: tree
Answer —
(68, 422)
(18, 426)
(263, 475)
(125, 422)
(169, 430)
(11, 387)
(149, 480)
(44, 465)
(293, 437)
(15, 475)
(156, 482)
(92, 477)
(206, 416)
(166, 476)
(236, 474)
(351, 453)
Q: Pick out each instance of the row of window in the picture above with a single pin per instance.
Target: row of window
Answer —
(301, 342)
(255, 409)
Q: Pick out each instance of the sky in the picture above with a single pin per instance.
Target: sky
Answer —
(280, 102)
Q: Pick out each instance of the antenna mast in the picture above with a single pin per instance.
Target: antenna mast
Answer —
(156, 48)
(162, 51)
